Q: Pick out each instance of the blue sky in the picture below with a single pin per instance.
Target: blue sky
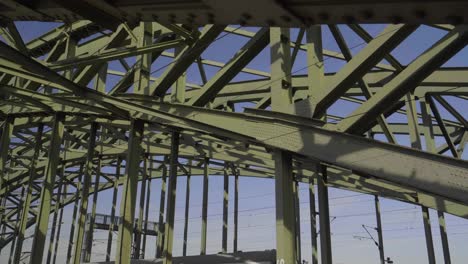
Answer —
(403, 231)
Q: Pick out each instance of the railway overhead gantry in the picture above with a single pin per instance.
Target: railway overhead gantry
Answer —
(119, 93)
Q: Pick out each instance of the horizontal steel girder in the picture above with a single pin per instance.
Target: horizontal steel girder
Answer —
(257, 13)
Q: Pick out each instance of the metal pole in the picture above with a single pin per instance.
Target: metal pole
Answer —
(57, 239)
(285, 211)
(139, 226)
(428, 232)
(162, 204)
(187, 208)
(114, 201)
(225, 210)
(17, 224)
(204, 207)
(236, 209)
(7, 131)
(148, 196)
(298, 221)
(172, 191)
(89, 240)
(42, 217)
(128, 202)
(75, 213)
(88, 170)
(27, 201)
(324, 211)
(313, 219)
(379, 229)
(444, 238)
(55, 217)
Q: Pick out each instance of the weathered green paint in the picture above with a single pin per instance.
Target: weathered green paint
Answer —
(172, 191)
(128, 202)
(44, 209)
(285, 209)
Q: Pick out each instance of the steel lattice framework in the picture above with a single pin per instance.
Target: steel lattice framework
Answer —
(62, 120)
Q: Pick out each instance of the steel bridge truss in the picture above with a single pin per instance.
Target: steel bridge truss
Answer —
(69, 131)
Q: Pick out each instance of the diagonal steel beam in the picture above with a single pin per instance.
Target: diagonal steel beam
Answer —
(358, 121)
(356, 68)
(231, 69)
(184, 59)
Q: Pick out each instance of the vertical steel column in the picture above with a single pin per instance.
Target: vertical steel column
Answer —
(57, 238)
(444, 238)
(114, 201)
(298, 221)
(236, 209)
(56, 213)
(285, 209)
(324, 212)
(42, 218)
(413, 122)
(428, 131)
(17, 224)
(315, 73)
(379, 229)
(128, 202)
(281, 92)
(7, 131)
(313, 218)
(186, 215)
(162, 204)
(148, 196)
(204, 227)
(87, 173)
(89, 237)
(428, 232)
(75, 213)
(27, 201)
(172, 191)
(225, 210)
(139, 226)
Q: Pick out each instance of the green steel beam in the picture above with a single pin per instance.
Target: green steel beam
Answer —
(355, 69)
(115, 191)
(92, 219)
(128, 202)
(44, 210)
(364, 85)
(147, 208)
(139, 224)
(171, 200)
(162, 204)
(225, 227)
(324, 216)
(297, 209)
(379, 229)
(444, 238)
(418, 70)
(186, 216)
(313, 219)
(28, 198)
(428, 234)
(231, 69)
(285, 210)
(83, 211)
(184, 59)
(204, 225)
(236, 210)
(75, 213)
(5, 139)
(113, 54)
(287, 13)
(281, 89)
